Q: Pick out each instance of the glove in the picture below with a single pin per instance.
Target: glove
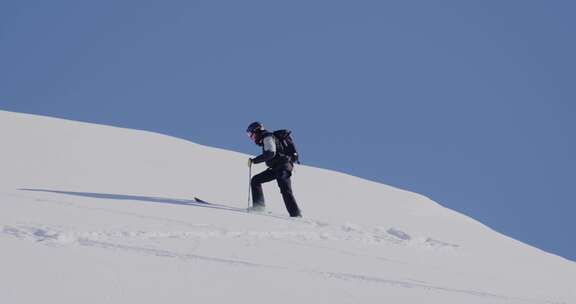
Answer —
(249, 162)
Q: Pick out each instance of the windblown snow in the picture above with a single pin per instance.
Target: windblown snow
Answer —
(97, 214)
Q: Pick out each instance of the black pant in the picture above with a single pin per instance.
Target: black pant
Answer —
(282, 176)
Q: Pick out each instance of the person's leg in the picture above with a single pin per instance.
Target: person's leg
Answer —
(285, 184)
(256, 184)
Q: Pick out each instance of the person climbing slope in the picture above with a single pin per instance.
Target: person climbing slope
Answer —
(279, 154)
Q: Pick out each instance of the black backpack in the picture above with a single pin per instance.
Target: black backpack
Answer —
(286, 145)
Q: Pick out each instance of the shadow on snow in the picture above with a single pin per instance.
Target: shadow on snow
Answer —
(196, 202)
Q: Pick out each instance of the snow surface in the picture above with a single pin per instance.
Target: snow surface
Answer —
(97, 214)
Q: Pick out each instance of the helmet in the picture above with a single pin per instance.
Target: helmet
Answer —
(255, 127)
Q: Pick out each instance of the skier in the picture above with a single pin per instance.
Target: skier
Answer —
(280, 167)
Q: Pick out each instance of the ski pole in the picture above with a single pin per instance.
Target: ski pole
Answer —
(249, 186)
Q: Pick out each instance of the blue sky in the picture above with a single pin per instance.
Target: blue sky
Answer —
(471, 103)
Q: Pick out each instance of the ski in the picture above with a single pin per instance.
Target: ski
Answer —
(262, 213)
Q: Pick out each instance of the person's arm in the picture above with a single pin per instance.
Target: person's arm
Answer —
(269, 150)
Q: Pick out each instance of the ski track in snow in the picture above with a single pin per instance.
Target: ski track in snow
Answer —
(318, 230)
(57, 238)
(304, 233)
(326, 274)
(50, 238)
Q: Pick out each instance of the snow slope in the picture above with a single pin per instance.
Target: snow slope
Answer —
(97, 214)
